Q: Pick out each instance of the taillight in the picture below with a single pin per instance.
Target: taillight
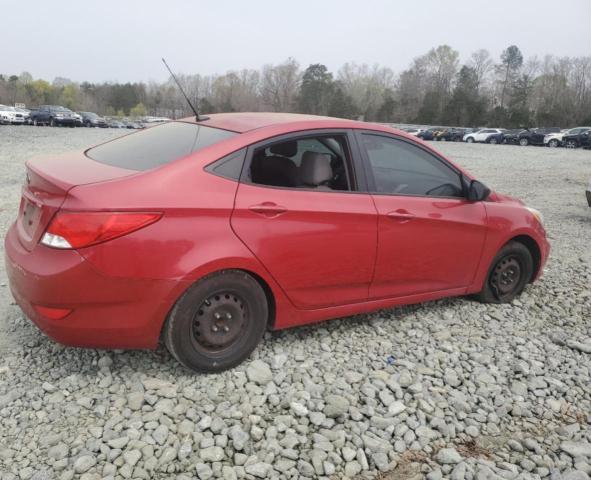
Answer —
(83, 229)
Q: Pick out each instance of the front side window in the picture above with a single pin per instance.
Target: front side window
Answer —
(315, 162)
(399, 167)
(158, 145)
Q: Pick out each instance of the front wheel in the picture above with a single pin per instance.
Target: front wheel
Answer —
(510, 271)
(52, 122)
(571, 144)
(218, 322)
(524, 142)
(493, 141)
(470, 140)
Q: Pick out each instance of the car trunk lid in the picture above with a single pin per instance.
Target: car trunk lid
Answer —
(47, 183)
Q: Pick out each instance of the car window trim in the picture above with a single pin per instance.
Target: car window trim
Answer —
(369, 173)
(210, 168)
(357, 181)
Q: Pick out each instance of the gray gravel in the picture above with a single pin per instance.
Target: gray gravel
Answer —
(448, 389)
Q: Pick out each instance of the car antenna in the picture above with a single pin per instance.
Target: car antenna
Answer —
(195, 111)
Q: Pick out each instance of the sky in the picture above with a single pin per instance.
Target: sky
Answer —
(121, 41)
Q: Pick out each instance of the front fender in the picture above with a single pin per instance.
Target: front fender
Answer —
(506, 221)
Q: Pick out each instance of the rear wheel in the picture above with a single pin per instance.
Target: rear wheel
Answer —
(493, 141)
(553, 143)
(52, 122)
(470, 140)
(218, 322)
(510, 271)
(571, 144)
(524, 142)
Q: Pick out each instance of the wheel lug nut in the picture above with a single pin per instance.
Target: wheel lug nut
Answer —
(214, 329)
(217, 316)
(226, 329)
(229, 316)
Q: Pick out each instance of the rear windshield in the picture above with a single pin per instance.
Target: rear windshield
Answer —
(158, 145)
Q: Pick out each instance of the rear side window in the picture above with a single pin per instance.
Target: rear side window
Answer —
(157, 146)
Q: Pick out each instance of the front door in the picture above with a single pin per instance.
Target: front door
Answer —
(430, 237)
(298, 211)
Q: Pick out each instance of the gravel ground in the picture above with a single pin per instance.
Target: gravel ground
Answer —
(451, 388)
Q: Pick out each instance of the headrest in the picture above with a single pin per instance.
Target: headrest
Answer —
(286, 149)
(315, 169)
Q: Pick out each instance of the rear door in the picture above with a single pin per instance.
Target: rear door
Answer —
(430, 237)
(317, 241)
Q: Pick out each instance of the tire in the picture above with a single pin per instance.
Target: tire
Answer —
(52, 122)
(524, 142)
(217, 322)
(470, 140)
(571, 144)
(510, 271)
(493, 141)
(553, 143)
(35, 122)
(443, 139)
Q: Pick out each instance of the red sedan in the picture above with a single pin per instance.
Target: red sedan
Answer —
(206, 233)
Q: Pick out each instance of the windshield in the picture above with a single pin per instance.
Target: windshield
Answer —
(157, 146)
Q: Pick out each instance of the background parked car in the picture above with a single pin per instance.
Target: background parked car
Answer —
(11, 116)
(26, 114)
(581, 139)
(535, 136)
(555, 139)
(113, 123)
(480, 135)
(52, 115)
(91, 119)
(413, 131)
(495, 138)
(511, 136)
(429, 134)
(78, 122)
(450, 135)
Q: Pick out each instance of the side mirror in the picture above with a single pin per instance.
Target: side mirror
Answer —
(475, 191)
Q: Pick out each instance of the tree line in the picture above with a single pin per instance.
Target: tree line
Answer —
(436, 88)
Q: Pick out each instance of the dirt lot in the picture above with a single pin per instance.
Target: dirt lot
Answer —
(446, 389)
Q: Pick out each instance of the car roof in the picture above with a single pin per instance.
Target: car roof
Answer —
(246, 121)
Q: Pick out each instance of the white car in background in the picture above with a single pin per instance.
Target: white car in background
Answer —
(11, 116)
(413, 131)
(555, 139)
(481, 135)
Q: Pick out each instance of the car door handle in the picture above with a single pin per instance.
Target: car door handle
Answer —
(268, 209)
(401, 215)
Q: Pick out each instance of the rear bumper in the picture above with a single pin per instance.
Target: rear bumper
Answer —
(107, 312)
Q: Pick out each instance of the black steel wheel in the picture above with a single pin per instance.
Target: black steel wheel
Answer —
(218, 322)
(511, 269)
